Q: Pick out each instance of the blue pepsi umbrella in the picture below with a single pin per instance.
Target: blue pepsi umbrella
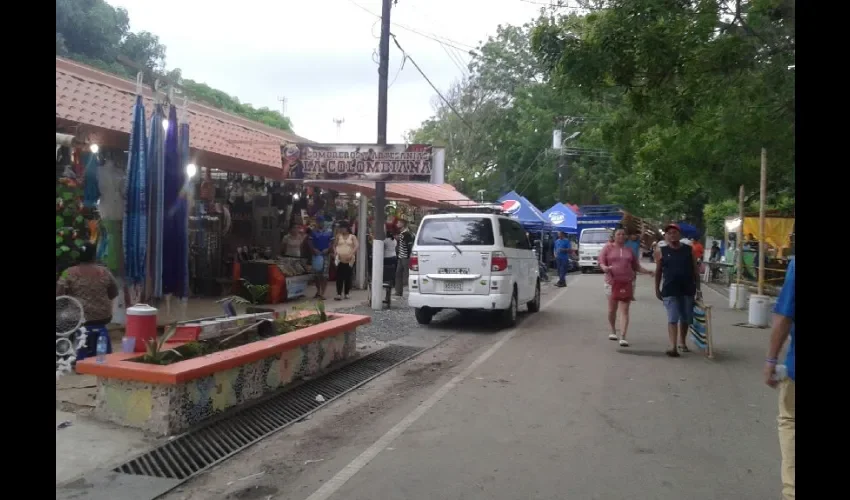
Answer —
(562, 218)
(524, 211)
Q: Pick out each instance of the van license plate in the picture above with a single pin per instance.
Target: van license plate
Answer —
(453, 286)
(453, 270)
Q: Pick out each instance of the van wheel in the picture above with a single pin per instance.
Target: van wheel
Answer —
(534, 305)
(423, 316)
(509, 315)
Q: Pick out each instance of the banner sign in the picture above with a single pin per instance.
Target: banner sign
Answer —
(362, 162)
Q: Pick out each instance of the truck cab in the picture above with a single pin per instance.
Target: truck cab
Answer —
(590, 244)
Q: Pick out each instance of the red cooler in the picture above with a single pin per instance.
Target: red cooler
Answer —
(141, 324)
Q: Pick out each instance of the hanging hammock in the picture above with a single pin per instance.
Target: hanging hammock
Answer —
(156, 181)
(135, 230)
(185, 201)
(173, 225)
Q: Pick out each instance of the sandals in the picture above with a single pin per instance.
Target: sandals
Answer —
(673, 353)
(684, 348)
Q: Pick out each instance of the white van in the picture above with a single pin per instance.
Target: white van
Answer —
(590, 245)
(472, 261)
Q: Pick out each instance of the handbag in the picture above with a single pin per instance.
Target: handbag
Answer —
(622, 291)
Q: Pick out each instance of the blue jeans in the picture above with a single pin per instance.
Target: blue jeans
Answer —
(679, 309)
(563, 265)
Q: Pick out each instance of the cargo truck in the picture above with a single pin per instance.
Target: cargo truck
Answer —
(596, 224)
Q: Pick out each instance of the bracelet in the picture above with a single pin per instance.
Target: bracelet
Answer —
(771, 361)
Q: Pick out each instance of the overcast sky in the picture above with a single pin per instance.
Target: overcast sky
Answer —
(319, 54)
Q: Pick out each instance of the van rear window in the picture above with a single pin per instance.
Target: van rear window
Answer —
(595, 236)
(461, 231)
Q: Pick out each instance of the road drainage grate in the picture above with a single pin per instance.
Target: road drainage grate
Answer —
(190, 454)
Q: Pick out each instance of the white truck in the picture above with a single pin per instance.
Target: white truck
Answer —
(595, 225)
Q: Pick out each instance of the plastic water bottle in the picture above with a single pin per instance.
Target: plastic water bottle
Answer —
(781, 373)
(101, 348)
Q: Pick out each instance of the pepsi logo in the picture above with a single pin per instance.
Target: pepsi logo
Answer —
(511, 206)
(557, 218)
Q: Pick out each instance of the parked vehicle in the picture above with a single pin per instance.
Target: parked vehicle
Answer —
(596, 224)
(473, 261)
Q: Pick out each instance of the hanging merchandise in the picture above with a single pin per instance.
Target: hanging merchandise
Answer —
(135, 225)
(207, 186)
(91, 191)
(156, 171)
(110, 181)
(174, 178)
(186, 200)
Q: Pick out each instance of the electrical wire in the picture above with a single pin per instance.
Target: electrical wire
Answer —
(434, 87)
(437, 38)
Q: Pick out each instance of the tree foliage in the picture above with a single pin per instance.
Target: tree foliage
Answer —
(95, 33)
(681, 94)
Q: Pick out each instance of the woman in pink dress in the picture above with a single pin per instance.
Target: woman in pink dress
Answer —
(620, 266)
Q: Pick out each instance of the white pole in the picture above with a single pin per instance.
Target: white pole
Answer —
(762, 201)
(362, 257)
(377, 274)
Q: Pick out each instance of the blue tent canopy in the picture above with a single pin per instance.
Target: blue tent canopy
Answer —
(688, 231)
(562, 218)
(522, 210)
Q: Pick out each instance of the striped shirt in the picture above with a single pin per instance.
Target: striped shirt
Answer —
(404, 245)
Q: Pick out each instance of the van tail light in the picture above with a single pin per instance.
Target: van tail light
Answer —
(498, 262)
(413, 265)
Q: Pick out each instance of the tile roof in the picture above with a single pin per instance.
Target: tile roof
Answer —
(421, 194)
(91, 97)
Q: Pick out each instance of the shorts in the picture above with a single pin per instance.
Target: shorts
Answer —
(679, 309)
(622, 297)
(319, 265)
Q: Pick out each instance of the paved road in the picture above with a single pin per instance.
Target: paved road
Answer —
(550, 410)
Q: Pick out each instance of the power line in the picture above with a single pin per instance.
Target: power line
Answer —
(434, 87)
(555, 5)
(437, 38)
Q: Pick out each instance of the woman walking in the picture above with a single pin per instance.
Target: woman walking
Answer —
(345, 250)
(620, 266)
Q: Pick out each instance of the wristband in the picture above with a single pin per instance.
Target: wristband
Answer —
(771, 361)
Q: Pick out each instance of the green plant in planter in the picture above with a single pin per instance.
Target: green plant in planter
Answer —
(154, 353)
(256, 294)
(320, 310)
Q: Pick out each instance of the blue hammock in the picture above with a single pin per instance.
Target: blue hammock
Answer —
(173, 224)
(135, 234)
(156, 181)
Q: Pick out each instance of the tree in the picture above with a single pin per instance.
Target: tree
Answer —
(144, 48)
(95, 33)
(707, 84)
(497, 125)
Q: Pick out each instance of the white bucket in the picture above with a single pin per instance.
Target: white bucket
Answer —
(738, 296)
(759, 306)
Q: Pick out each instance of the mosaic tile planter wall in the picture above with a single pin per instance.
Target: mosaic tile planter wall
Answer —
(170, 399)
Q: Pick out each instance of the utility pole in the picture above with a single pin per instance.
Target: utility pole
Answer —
(282, 105)
(339, 122)
(380, 187)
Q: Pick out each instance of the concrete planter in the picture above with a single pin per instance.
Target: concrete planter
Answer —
(171, 399)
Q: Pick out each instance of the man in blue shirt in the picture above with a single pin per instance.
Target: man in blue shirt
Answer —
(783, 326)
(562, 258)
(633, 244)
(319, 241)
